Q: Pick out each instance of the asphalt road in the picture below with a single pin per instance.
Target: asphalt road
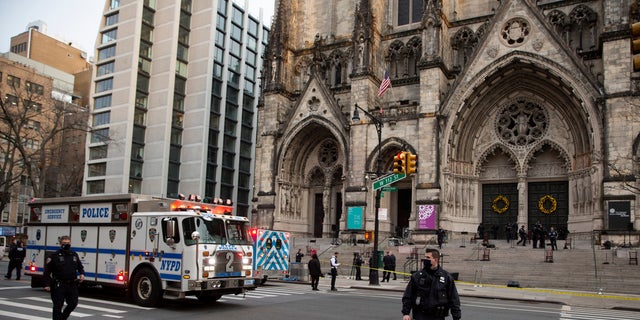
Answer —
(279, 301)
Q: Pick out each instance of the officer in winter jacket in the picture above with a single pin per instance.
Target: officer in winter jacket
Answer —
(431, 292)
(61, 278)
(16, 257)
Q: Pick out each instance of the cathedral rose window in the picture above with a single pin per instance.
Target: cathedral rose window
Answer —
(521, 123)
(328, 154)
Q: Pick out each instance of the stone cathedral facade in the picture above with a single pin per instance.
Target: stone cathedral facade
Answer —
(520, 111)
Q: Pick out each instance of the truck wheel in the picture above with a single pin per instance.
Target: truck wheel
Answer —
(146, 289)
(208, 297)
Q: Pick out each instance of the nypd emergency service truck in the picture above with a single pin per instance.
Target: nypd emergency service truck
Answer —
(151, 247)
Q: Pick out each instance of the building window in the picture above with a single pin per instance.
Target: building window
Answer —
(235, 48)
(135, 169)
(147, 33)
(221, 23)
(236, 16)
(94, 187)
(108, 36)
(135, 186)
(99, 152)
(253, 28)
(102, 102)
(220, 38)
(140, 117)
(148, 15)
(101, 135)
(183, 52)
(236, 32)
(408, 11)
(111, 19)
(13, 81)
(10, 100)
(100, 119)
(104, 85)
(21, 47)
(106, 68)
(97, 169)
(106, 53)
(34, 88)
(222, 7)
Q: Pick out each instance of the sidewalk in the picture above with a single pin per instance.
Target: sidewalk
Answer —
(467, 289)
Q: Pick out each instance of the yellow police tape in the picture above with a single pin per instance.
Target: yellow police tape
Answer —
(569, 293)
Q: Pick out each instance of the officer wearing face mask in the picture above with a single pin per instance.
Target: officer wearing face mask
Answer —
(61, 278)
(431, 293)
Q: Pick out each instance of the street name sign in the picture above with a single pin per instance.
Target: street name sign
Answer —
(385, 181)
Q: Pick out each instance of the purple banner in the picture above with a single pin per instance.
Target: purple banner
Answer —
(427, 216)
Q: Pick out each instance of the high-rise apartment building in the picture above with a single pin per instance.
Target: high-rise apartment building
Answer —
(174, 100)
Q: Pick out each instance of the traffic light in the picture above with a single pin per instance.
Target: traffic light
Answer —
(412, 163)
(399, 162)
(635, 45)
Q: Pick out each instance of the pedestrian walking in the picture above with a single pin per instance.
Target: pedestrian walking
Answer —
(431, 292)
(314, 271)
(16, 257)
(61, 278)
(334, 270)
(386, 263)
(523, 236)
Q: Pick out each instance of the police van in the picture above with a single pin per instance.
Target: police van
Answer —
(152, 247)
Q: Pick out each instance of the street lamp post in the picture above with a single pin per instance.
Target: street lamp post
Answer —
(373, 274)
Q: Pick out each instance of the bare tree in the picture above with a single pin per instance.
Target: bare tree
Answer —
(32, 126)
(625, 169)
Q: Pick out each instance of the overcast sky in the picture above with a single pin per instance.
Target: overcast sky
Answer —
(76, 21)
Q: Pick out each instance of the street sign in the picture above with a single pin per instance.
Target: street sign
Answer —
(390, 189)
(385, 181)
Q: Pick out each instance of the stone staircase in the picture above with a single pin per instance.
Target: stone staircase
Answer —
(580, 268)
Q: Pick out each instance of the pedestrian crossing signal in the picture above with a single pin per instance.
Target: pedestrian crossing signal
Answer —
(368, 235)
(399, 162)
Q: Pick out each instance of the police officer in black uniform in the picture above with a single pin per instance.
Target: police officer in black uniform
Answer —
(61, 278)
(431, 292)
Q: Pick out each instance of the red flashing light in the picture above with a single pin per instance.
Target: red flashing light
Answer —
(253, 233)
(123, 216)
(32, 268)
(121, 276)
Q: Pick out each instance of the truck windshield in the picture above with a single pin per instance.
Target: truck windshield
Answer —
(211, 231)
(237, 232)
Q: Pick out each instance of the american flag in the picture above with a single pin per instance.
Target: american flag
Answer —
(385, 84)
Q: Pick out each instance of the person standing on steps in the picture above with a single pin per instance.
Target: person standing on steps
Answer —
(334, 270)
(299, 256)
(523, 236)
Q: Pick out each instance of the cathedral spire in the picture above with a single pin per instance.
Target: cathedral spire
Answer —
(362, 38)
(431, 30)
(273, 64)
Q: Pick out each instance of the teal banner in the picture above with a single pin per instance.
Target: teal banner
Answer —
(354, 218)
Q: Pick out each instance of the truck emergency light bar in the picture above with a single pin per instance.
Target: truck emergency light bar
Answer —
(183, 205)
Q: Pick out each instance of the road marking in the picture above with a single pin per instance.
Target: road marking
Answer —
(569, 312)
(32, 307)
(120, 304)
(14, 288)
(22, 316)
(84, 306)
